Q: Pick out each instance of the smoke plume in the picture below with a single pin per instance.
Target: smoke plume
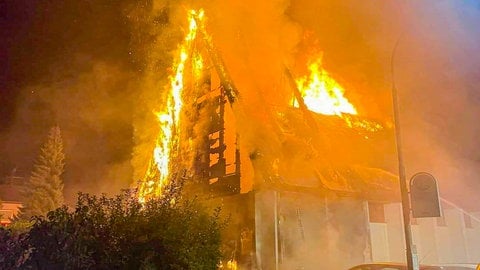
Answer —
(99, 70)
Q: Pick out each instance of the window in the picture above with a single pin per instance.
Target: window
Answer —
(376, 212)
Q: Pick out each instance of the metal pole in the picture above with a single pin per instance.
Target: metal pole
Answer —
(275, 214)
(401, 170)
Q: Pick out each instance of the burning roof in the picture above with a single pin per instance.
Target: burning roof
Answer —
(338, 157)
(324, 144)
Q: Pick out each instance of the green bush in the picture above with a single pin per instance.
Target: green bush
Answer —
(120, 233)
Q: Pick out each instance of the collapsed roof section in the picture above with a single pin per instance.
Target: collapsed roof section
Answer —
(333, 159)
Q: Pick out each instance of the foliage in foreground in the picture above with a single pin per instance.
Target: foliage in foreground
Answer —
(117, 233)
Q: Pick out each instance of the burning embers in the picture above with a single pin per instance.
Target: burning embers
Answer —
(322, 94)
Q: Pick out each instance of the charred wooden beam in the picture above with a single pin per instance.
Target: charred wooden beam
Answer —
(301, 103)
(227, 83)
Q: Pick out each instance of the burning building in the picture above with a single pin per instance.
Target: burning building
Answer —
(279, 139)
(306, 179)
(298, 181)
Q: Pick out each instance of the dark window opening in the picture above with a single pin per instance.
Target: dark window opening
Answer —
(376, 212)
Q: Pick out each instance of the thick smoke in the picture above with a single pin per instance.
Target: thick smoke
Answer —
(68, 64)
(94, 68)
(436, 72)
(434, 68)
(257, 40)
(254, 51)
(92, 112)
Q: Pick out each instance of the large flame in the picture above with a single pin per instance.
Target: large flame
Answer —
(322, 94)
(166, 147)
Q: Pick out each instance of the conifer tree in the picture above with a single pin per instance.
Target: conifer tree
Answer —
(44, 189)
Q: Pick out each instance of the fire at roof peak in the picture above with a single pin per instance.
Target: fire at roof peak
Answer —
(321, 93)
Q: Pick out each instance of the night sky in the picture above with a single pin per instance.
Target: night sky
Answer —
(48, 50)
(76, 64)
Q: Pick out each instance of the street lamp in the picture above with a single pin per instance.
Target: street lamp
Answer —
(401, 171)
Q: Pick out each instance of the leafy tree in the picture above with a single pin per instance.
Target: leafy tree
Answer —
(14, 249)
(120, 233)
(44, 189)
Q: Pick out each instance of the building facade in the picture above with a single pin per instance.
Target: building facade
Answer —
(452, 238)
(10, 198)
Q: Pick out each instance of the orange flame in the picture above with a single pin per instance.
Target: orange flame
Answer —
(322, 94)
(157, 174)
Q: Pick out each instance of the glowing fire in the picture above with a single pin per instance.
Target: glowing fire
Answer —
(322, 94)
(230, 265)
(158, 172)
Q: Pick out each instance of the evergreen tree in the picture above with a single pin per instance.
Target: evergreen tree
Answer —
(44, 189)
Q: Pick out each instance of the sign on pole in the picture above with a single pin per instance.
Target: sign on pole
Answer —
(424, 197)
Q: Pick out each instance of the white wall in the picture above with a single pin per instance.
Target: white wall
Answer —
(453, 243)
(473, 239)
(456, 234)
(396, 239)
(379, 242)
(425, 240)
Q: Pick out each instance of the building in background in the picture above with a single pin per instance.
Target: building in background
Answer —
(11, 199)
(452, 238)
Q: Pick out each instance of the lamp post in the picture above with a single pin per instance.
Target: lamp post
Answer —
(401, 171)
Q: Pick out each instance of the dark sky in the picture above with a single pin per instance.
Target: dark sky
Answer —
(75, 62)
(37, 35)
(55, 67)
